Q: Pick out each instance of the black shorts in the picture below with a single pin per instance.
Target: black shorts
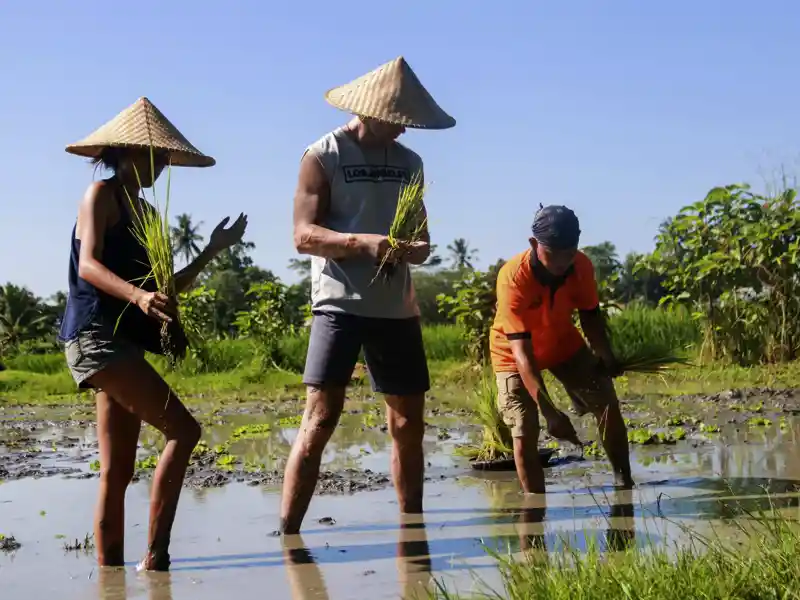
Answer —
(393, 351)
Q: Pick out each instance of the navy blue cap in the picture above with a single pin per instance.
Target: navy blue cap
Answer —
(556, 227)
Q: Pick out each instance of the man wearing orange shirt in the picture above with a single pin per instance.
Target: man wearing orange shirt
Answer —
(537, 293)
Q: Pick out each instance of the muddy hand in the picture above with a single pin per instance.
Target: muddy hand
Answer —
(560, 427)
(154, 304)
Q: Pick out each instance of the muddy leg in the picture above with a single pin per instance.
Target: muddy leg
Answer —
(529, 467)
(136, 386)
(117, 435)
(614, 435)
(405, 418)
(521, 415)
(323, 409)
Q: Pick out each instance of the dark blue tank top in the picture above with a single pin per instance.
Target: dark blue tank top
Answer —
(124, 256)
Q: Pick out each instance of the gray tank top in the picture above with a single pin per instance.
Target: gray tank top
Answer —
(364, 183)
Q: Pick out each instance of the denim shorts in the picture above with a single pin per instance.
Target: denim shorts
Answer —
(94, 349)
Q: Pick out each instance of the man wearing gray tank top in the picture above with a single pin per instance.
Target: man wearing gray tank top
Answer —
(344, 205)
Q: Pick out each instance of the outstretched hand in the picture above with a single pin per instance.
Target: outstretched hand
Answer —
(223, 238)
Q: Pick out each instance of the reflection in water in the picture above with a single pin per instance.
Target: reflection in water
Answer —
(112, 585)
(413, 558)
(413, 564)
(620, 533)
(305, 577)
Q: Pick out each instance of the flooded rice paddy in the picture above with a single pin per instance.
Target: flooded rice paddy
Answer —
(699, 462)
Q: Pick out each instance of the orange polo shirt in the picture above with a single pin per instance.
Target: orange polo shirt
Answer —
(526, 307)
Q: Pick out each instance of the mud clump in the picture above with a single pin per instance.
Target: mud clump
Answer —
(8, 543)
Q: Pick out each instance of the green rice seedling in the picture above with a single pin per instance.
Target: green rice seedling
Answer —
(409, 223)
(496, 442)
(152, 230)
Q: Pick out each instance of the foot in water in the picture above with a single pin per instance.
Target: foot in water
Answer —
(624, 482)
(154, 561)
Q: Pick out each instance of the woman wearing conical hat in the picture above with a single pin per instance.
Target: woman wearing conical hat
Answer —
(110, 321)
(344, 206)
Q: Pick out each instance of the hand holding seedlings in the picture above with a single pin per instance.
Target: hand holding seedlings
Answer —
(407, 251)
(374, 245)
(222, 238)
(560, 427)
(156, 305)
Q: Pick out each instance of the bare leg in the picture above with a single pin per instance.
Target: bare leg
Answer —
(139, 388)
(117, 435)
(614, 436)
(526, 457)
(405, 417)
(521, 415)
(323, 409)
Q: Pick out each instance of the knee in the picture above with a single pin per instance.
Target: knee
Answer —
(117, 476)
(189, 435)
(320, 423)
(406, 430)
(605, 411)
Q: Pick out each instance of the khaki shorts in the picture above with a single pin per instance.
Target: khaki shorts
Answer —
(588, 388)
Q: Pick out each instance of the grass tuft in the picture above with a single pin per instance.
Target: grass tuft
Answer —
(760, 560)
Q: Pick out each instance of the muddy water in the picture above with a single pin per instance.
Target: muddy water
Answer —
(354, 545)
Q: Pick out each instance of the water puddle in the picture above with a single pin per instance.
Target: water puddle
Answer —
(354, 545)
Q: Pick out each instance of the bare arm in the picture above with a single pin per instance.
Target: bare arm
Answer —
(221, 238)
(311, 202)
(186, 276)
(522, 348)
(93, 215)
(594, 327)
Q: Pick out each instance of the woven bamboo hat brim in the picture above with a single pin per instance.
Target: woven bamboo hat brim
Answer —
(391, 93)
(143, 126)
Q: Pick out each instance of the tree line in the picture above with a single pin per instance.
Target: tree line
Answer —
(732, 258)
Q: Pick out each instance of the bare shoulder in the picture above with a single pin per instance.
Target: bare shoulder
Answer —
(98, 199)
(312, 170)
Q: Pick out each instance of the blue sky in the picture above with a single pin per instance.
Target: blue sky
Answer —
(624, 110)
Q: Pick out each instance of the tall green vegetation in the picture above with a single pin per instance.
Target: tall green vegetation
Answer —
(727, 266)
(732, 258)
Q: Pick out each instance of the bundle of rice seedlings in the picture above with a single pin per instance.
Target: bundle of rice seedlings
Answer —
(653, 362)
(496, 443)
(152, 230)
(649, 355)
(409, 222)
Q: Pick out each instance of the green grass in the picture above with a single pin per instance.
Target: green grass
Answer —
(232, 367)
(762, 560)
(639, 330)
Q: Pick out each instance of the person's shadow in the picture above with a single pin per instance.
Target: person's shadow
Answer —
(413, 564)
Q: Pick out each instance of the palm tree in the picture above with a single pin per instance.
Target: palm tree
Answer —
(21, 316)
(604, 258)
(185, 237)
(434, 260)
(461, 255)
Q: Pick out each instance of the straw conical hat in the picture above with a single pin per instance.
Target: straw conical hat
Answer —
(391, 93)
(142, 125)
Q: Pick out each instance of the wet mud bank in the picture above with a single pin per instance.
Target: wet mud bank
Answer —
(249, 443)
